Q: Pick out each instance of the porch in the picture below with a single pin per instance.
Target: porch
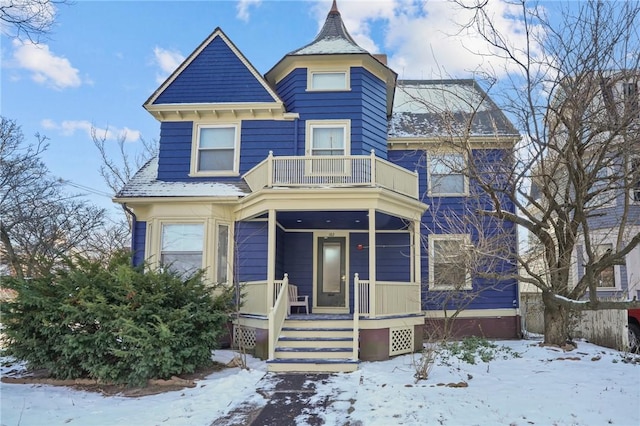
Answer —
(386, 320)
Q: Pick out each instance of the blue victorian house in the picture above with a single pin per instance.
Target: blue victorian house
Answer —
(311, 187)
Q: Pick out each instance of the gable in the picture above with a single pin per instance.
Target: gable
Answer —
(216, 72)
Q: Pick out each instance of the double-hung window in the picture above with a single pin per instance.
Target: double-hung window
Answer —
(446, 174)
(329, 138)
(216, 150)
(448, 265)
(635, 179)
(606, 278)
(181, 247)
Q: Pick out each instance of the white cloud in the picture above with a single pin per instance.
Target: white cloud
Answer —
(243, 7)
(424, 39)
(69, 128)
(45, 67)
(167, 60)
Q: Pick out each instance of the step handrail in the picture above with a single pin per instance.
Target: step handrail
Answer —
(277, 315)
(356, 316)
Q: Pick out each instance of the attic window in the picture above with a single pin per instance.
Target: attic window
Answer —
(215, 150)
(328, 80)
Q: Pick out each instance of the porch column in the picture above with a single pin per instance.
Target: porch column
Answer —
(417, 246)
(372, 263)
(417, 260)
(271, 257)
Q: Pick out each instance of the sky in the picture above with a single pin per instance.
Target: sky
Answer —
(590, 385)
(103, 59)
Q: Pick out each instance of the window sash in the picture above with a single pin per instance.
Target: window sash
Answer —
(182, 246)
(448, 264)
(329, 81)
(216, 149)
(445, 176)
(328, 140)
(606, 278)
(222, 254)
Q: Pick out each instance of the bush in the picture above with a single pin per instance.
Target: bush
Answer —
(115, 324)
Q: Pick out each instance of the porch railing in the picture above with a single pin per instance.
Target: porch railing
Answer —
(277, 315)
(255, 300)
(391, 298)
(332, 171)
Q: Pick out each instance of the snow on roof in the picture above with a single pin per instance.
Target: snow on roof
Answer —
(145, 184)
(441, 107)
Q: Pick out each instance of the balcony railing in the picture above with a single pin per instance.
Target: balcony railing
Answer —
(332, 171)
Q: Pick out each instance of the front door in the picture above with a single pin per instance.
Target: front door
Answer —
(331, 274)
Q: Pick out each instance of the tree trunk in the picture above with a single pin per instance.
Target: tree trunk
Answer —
(556, 321)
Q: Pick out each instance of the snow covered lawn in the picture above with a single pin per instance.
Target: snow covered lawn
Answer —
(543, 386)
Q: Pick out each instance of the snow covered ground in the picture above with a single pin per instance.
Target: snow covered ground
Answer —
(543, 386)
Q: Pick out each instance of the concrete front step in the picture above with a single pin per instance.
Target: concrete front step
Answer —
(316, 365)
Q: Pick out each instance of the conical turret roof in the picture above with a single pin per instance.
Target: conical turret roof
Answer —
(333, 38)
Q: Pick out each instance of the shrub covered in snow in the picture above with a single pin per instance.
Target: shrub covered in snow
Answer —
(113, 323)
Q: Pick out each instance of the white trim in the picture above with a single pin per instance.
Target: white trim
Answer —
(465, 159)
(216, 243)
(466, 240)
(310, 125)
(195, 149)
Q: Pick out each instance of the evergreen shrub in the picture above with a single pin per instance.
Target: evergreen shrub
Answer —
(115, 323)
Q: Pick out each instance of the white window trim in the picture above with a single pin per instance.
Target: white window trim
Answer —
(195, 147)
(158, 237)
(313, 124)
(617, 275)
(230, 240)
(464, 177)
(632, 190)
(321, 70)
(466, 240)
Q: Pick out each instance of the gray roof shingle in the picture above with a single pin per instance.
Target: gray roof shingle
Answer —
(428, 108)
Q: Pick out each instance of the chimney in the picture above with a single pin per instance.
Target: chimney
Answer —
(382, 57)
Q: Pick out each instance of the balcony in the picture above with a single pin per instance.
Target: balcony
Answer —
(332, 171)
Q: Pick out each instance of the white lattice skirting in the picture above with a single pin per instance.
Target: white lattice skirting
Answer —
(400, 340)
(244, 337)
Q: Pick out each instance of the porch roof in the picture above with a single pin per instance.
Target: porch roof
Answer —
(145, 183)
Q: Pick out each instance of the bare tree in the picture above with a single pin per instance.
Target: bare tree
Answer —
(573, 90)
(40, 224)
(28, 18)
(118, 169)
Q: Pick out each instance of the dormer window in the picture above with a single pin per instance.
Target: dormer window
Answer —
(215, 150)
(328, 80)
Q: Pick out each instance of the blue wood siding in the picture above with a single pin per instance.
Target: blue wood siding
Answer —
(364, 105)
(251, 251)
(393, 257)
(215, 75)
(174, 156)
(257, 138)
(138, 240)
(373, 95)
(495, 293)
(298, 261)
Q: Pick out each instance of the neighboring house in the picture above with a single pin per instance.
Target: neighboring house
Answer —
(612, 155)
(319, 174)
